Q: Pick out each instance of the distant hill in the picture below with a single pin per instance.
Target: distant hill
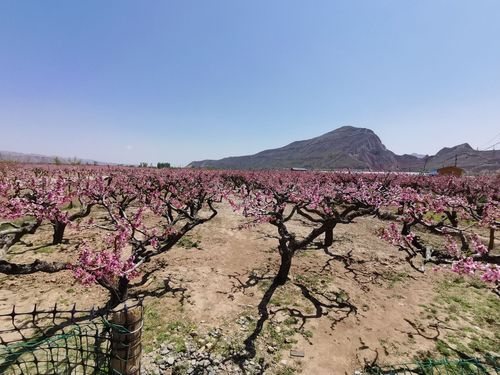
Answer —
(355, 148)
(420, 156)
(467, 158)
(44, 159)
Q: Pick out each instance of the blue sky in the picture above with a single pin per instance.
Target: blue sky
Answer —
(130, 81)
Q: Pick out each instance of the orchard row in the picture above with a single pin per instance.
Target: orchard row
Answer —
(147, 211)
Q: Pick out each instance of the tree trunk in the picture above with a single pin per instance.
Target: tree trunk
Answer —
(329, 235)
(10, 236)
(120, 294)
(126, 344)
(286, 263)
(58, 235)
(37, 266)
(491, 244)
(452, 216)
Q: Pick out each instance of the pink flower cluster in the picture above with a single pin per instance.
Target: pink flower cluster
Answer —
(107, 266)
(452, 208)
(467, 266)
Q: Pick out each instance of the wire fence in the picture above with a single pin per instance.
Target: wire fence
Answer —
(71, 341)
(484, 366)
(100, 341)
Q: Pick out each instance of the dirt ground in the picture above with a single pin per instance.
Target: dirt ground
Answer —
(219, 274)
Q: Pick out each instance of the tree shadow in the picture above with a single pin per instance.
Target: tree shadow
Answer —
(431, 366)
(422, 331)
(323, 303)
(163, 290)
(364, 278)
(29, 248)
(432, 332)
(34, 334)
(249, 343)
(265, 235)
(251, 281)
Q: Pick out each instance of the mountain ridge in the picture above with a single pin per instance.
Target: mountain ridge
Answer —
(22, 157)
(350, 147)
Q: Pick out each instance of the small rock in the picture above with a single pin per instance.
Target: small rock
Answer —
(160, 361)
(283, 362)
(170, 360)
(271, 349)
(296, 353)
(279, 319)
(278, 329)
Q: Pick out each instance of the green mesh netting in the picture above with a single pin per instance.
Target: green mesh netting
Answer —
(486, 365)
(56, 342)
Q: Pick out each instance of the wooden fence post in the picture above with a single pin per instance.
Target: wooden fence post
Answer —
(126, 347)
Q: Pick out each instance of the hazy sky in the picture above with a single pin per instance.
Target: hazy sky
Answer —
(131, 81)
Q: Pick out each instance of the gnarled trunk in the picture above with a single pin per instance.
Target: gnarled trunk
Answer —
(285, 265)
(10, 236)
(37, 266)
(329, 234)
(119, 294)
(58, 234)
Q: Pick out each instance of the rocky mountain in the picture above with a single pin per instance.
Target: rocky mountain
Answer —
(466, 157)
(354, 148)
(43, 159)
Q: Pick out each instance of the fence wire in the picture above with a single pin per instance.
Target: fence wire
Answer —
(483, 366)
(57, 341)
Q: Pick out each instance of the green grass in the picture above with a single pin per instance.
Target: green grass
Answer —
(286, 371)
(290, 321)
(264, 285)
(158, 330)
(279, 338)
(395, 278)
(313, 280)
(46, 250)
(284, 296)
(188, 242)
(471, 303)
(435, 217)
